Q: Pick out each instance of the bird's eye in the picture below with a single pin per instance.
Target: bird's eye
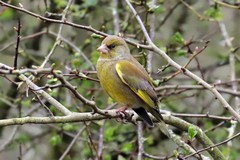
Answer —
(111, 46)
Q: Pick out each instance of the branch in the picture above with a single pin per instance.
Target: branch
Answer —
(58, 41)
(201, 136)
(183, 70)
(45, 95)
(140, 140)
(88, 116)
(191, 87)
(213, 146)
(72, 143)
(73, 117)
(18, 29)
(233, 72)
(87, 28)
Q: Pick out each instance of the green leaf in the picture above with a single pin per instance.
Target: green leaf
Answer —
(60, 3)
(149, 140)
(214, 12)
(192, 132)
(90, 3)
(23, 138)
(26, 103)
(177, 39)
(106, 156)
(76, 63)
(94, 57)
(96, 36)
(68, 127)
(52, 81)
(153, 8)
(120, 157)
(6, 15)
(180, 52)
(126, 147)
(110, 100)
(55, 140)
(109, 133)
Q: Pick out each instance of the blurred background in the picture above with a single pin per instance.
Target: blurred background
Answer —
(180, 28)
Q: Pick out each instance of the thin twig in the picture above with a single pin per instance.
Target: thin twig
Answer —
(140, 140)
(152, 36)
(183, 70)
(49, 98)
(201, 17)
(77, 49)
(233, 71)
(197, 87)
(87, 28)
(227, 5)
(72, 143)
(91, 144)
(100, 140)
(170, 11)
(44, 106)
(9, 139)
(18, 29)
(213, 146)
(58, 40)
(115, 17)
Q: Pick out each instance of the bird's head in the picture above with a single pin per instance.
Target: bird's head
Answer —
(112, 47)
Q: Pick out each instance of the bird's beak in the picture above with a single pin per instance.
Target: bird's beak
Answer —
(103, 48)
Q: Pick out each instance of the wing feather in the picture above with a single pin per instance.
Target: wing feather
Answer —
(138, 81)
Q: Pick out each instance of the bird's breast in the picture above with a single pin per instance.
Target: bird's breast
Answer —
(113, 85)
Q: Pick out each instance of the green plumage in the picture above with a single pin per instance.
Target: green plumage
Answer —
(125, 80)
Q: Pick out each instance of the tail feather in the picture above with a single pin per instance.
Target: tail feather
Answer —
(144, 115)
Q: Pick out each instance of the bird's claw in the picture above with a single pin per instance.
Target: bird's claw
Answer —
(123, 114)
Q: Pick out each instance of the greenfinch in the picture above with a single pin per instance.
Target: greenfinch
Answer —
(126, 81)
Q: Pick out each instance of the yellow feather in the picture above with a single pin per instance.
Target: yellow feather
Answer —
(120, 73)
(143, 95)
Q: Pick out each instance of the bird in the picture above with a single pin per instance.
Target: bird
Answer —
(126, 81)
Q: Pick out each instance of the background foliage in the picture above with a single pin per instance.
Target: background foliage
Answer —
(207, 29)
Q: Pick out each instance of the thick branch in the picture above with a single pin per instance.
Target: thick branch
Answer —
(82, 117)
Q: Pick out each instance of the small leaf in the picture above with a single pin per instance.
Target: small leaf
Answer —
(7, 14)
(153, 8)
(90, 3)
(76, 63)
(108, 134)
(177, 39)
(60, 3)
(192, 132)
(55, 140)
(23, 138)
(26, 103)
(68, 127)
(96, 36)
(52, 80)
(180, 52)
(126, 147)
(110, 100)
(120, 157)
(175, 153)
(214, 12)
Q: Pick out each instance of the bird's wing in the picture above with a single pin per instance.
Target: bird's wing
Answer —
(138, 81)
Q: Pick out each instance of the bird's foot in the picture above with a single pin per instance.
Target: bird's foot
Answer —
(122, 112)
